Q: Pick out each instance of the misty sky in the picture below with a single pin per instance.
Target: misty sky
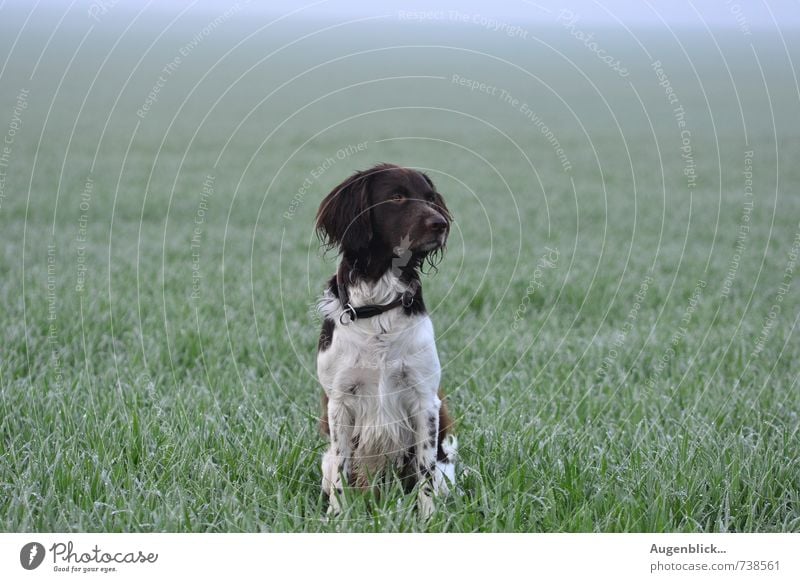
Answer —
(716, 13)
(753, 14)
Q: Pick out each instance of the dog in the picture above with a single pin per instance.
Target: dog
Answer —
(377, 360)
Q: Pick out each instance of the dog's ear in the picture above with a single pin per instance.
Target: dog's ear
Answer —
(438, 201)
(343, 217)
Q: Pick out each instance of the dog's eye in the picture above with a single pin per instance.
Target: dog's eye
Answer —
(397, 197)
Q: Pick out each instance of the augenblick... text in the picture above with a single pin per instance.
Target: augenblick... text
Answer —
(689, 549)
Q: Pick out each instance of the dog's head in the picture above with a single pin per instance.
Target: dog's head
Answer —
(386, 209)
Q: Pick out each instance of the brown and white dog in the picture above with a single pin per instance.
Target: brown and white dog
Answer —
(377, 359)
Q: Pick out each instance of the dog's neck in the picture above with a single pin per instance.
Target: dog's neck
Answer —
(369, 267)
(376, 278)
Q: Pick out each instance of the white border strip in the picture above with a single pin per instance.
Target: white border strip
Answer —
(389, 557)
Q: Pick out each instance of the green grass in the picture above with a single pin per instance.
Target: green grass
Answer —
(144, 409)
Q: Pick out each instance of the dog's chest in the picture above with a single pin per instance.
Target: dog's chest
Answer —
(383, 379)
(390, 357)
(381, 370)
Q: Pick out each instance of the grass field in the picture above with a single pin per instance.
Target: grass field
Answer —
(616, 316)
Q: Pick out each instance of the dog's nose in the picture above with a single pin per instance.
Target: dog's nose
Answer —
(436, 223)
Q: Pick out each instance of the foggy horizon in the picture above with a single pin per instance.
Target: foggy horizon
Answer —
(714, 14)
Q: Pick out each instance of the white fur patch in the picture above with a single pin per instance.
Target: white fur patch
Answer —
(445, 476)
(380, 373)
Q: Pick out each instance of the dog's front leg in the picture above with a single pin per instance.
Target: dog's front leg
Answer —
(426, 428)
(337, 460)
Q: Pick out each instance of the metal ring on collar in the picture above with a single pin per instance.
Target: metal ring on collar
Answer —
(350, 311)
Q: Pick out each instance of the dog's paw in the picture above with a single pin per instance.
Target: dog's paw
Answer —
(425, 505)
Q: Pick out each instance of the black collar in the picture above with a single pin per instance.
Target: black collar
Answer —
(350, 313)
